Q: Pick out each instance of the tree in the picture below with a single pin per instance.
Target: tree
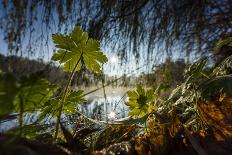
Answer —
(189, 25)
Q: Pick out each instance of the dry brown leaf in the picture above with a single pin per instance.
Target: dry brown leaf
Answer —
(218, 115)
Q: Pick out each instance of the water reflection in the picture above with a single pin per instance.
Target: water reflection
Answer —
(99, 108)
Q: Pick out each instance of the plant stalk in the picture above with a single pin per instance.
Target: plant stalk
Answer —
(64, 96)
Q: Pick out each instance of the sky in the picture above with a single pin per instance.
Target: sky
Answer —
(114, 67)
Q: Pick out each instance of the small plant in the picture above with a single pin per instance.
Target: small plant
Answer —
(33, 93)
(76, 50)
(26, 95)
(201, 103)
(141, 101)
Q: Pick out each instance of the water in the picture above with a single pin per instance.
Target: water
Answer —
(109, 108)
(105, 109)
(98, 107)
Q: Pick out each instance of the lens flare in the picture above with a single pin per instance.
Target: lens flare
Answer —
(111, 114)
(114, 59)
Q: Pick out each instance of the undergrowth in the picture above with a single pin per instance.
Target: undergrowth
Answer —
(196, 112)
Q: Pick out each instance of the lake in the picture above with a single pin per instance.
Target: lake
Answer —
(97, 107)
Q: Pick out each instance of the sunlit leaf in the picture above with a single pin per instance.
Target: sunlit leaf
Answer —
(224, 67)
(141, 101)
(74, 98)
(196, 68)
(78, 48)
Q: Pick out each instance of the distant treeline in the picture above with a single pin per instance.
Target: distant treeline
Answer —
(170, 73)
(23, 66)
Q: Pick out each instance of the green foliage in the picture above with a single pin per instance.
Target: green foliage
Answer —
(33, 93)
(224, 42)
(198, 86)
(223, 68)
(31, 131)
(8, 91)
(51, 107)
(74, 98)
(217, 86)
(141, 101)
(27, 94)
(76, 50)
(194, 71)
(77, 47)
(184, 97)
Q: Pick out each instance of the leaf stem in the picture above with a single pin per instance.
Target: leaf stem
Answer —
(64, 95)
(205, 75)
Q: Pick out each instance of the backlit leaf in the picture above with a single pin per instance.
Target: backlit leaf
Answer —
(78, 48)
(141, 101)
(33, 93)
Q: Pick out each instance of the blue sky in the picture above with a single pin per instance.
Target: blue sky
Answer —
(114, 65)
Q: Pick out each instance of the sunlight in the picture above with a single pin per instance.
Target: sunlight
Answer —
(111, 114)
(114, 59)
(126, 99)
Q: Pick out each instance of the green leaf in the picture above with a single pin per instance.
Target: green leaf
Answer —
(132, 94)
(221, 43)
(141, 101)
(51, 108)
(31, 131)
(77, 47)
(34, 92)
(195, 69)
(63, 42)
(72, 100)
(8, 91)
(69, 106)
(76, 97)
(224, 67)
(217, 86)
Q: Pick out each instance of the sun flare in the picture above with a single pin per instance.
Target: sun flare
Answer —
(111, 114)
(114, 59)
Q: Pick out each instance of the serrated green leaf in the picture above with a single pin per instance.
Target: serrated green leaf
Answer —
(51, 108)
(63, 42)
(141, 101)
(33, 93)
(76, 96)
(72, 100)
(132, 94)
(78, 48)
